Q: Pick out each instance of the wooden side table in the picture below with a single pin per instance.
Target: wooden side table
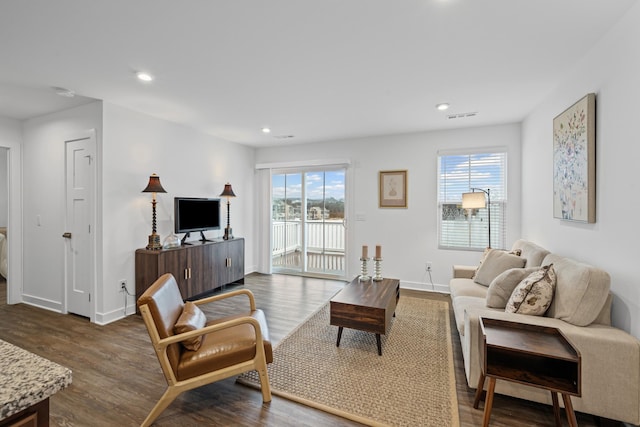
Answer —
(533, 355)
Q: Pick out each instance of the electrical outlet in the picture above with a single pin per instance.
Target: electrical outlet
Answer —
(427, 266)
(123, 285)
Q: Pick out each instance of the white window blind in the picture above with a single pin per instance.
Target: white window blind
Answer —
(459, 173)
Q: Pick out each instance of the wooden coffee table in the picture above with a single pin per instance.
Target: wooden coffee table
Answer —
(366, 306)
(533, 355)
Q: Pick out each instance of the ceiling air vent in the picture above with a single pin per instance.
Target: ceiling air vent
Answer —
(283, 136)
(462, 115)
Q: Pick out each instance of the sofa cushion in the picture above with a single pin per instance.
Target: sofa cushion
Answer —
(486, 252)
(534, 294)
(226, 347)
(466, 288)
(604, 317)
(192, 318)
(581, 291)
(533, 253)
(501, 288)
(495, 263)
(462, 304)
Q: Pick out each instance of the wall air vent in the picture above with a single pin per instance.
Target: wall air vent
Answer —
(462, 115)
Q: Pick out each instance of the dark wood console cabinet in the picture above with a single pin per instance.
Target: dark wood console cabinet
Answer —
(199, 267)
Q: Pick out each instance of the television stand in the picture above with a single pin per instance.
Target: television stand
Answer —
(199, 268)
(183, 241)
(203, 239)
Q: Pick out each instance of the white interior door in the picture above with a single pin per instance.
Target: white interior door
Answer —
(79, 277)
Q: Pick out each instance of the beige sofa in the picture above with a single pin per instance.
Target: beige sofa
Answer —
(581, 309)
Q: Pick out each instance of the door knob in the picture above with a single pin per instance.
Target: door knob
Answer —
(66, 235)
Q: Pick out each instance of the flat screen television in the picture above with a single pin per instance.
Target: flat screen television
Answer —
(196, 214)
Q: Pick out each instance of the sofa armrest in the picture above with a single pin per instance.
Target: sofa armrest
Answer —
(464, 271)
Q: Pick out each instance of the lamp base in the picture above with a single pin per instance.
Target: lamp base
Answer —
(154, 242)
(228, 233)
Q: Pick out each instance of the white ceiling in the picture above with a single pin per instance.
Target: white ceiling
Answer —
(314, 69)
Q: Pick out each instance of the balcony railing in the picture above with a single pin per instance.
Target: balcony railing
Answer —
(325, 246)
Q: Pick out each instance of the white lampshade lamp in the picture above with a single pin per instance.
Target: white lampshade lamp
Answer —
(475, 200)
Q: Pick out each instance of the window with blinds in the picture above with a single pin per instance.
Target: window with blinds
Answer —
(458, 173)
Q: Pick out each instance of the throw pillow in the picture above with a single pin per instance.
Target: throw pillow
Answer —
(581, 291)
(534, 294)
(486, 252)
(495, 263)
(501, 288)
(192, 318)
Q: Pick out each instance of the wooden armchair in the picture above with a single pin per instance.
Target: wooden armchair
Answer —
(229, 346)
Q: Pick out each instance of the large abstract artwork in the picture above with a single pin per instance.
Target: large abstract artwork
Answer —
(574, 168)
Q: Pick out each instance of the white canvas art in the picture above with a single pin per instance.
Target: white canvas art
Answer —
(574, 162)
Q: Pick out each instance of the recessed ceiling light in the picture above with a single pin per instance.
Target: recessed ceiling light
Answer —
(266, 130)
(145, 77)
(443, 106)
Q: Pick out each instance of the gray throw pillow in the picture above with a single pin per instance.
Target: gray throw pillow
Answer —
(496, 262)
(502, 286)
(534, 294)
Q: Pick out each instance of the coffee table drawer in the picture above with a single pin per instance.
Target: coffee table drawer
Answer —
(358, 317)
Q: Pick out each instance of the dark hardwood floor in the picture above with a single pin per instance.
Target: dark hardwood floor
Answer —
(117, 379)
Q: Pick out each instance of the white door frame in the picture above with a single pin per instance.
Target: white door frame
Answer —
(91, 135)
(14, 225)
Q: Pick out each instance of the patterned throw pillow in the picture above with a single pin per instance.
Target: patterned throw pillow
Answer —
(534, 294)
(192, 318)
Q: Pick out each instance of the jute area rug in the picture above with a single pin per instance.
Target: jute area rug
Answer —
(411, 384)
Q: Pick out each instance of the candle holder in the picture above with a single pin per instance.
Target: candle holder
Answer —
(364, 271)
(377, 269)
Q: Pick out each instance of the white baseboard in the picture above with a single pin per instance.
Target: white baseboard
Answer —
(42, 303)
(421, 286)
(114, 315)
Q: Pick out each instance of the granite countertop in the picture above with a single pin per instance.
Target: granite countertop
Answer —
(26, 379)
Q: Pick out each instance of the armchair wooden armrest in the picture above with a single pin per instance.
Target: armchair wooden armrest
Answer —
(165, 342)
(247, 292)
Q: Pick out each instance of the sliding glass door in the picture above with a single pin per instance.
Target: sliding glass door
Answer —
(308, 222)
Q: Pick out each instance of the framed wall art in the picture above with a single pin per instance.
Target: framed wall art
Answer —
(393, 189)
(574, 162)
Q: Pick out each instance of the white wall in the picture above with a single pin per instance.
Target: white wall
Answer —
(130, 147)
(612, 72)
(44, 196)
(409, 237)
(189, 164)
(11, 138)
